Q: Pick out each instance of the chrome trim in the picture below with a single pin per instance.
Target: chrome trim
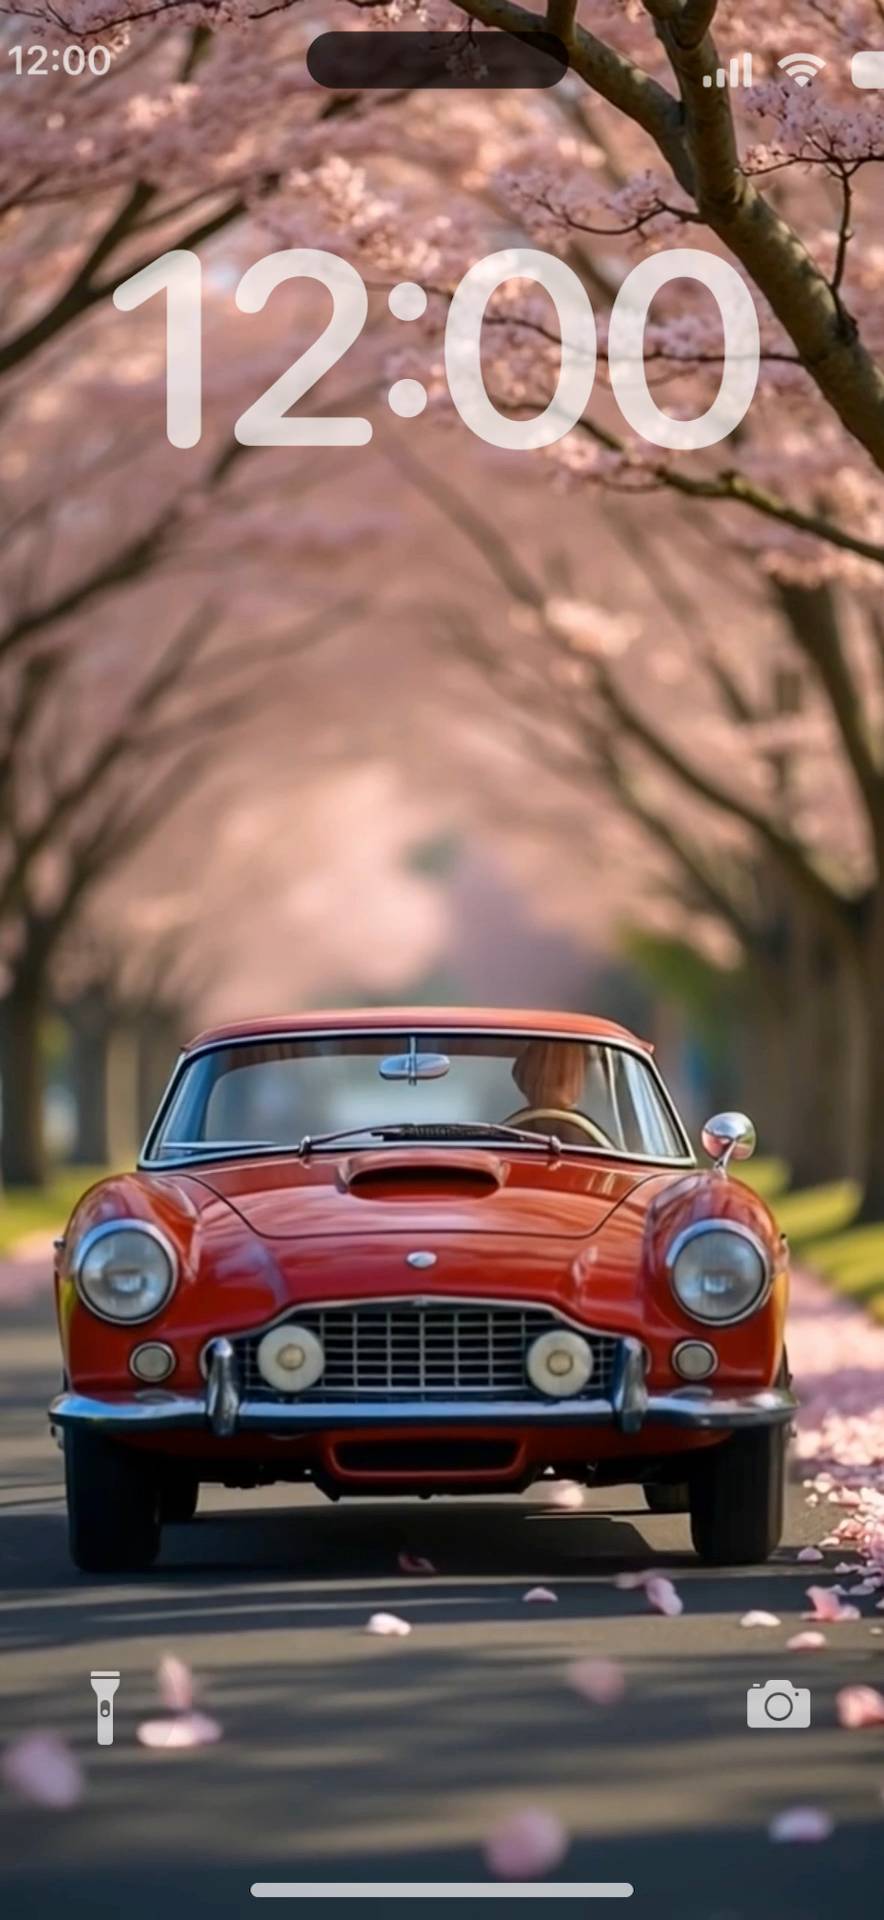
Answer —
(685, 1161)
(123, 1225)
(515, 1300)
(692, 1407)
(717, 1225)
(630, 1394)
(164, 1347)
(222, 1389)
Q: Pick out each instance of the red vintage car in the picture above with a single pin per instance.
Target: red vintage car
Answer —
(423, 1251)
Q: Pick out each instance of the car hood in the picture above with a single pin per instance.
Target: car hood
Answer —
(428, 1191)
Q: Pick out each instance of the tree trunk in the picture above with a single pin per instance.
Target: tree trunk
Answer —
(871, 984)
(88, 1023)
(22, 1149)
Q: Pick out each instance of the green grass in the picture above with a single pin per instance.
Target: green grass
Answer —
(819, 1223)
(27, 1210)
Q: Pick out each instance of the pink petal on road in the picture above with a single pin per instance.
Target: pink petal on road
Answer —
(540, 1593)
(415, 1563)
(860, 1707)
(175, 1682)
(601, 1681)
(863, 1588)
(388, 1623)
(662, 1596)
(184, 1730)
(565, 1494)
(811, 1553)
(827, 1606)
(802, 1823)
(758, 1618)
(41, 1767)
(806, 1642)
(628, 1582)
(526, 1845)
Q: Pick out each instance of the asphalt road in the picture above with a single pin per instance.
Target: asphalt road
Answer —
(346, 1757)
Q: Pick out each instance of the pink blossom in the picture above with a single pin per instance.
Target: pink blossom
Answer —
(758, 1618)
(809, 1553)
(389, 1624)
(802, 1824)
(860, 1707)
(525, 1845)
(540, 1593)
(182, 1730)
(601, 1681)
(662, 1596)
(806, 1642)
(565, 1494)
(41, 1767)
(175, 1682)
(827, 1606)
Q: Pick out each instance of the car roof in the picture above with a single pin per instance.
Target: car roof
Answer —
(582, 1026)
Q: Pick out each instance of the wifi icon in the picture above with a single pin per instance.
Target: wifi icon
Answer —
(802, 67)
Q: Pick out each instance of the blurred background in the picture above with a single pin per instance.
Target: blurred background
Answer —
(415, 721)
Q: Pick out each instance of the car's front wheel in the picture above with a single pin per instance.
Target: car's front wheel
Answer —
(737, 1496)
(179, 1493)
(113, 1502)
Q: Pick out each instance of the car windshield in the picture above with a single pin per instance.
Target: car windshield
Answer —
(265, 1096)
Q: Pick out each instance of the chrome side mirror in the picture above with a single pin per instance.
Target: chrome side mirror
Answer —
(728, 1136)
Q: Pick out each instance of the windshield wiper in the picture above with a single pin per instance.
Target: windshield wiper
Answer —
(433, 1130)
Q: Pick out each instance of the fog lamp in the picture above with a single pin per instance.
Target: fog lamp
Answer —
(153, 1361)
(694, 1359)
(559, 1363)
(291, 1359)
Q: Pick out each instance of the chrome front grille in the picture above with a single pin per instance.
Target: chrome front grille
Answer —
(455, 1349)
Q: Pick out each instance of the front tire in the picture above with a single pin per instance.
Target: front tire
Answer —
(737, 1498)
(179, 1493)
(113, 1503)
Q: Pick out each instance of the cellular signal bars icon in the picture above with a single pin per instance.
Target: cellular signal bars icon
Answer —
(737, 74)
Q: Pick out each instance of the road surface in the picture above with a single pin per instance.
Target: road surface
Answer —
(346, 1757)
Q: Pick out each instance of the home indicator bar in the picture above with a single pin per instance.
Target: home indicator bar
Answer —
(442, 1890)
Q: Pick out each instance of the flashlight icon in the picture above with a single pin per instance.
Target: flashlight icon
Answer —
(104, 1686)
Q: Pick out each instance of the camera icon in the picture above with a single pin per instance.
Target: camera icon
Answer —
(777, 1704)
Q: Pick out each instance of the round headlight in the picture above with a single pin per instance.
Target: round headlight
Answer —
(719, 1273)
(124, 1270)
(559, 1363)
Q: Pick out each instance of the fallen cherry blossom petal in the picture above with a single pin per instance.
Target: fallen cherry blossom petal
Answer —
(526, 1845)
(175, 1682)
(183, 1730)
(758, 1618)
(388, 1623)
(601, 1681)
(628, 1582)
(42, 1768)
(828, 1606)
(806, 1642)
(811, 1553)
(860, 1707)
(540, 1593)
(802, 1823)
(850, 1566)
(662, 1596)
(415, 1563)
(863, 1588)
(565, 1494)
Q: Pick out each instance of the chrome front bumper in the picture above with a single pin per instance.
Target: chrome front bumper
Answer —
(223, 1412)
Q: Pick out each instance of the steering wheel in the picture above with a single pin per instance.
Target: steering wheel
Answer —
(563, 1115)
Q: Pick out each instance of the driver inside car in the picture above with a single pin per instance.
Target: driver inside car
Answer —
(551, 1076)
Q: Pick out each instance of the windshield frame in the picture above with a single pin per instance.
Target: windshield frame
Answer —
(151, 1163)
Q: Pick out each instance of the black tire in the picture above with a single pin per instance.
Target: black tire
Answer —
(179, 1493)
(737, 1498)
(663, 1498)
(113, 1505)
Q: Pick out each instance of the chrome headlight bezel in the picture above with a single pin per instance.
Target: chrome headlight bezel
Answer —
(101, 1232)
(701, 1228)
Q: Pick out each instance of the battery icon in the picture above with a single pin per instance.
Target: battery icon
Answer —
(867, 69)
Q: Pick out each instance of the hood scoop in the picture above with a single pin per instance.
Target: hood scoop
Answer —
(403, 1174)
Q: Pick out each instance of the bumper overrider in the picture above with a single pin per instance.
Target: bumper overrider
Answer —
(224, 1411)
